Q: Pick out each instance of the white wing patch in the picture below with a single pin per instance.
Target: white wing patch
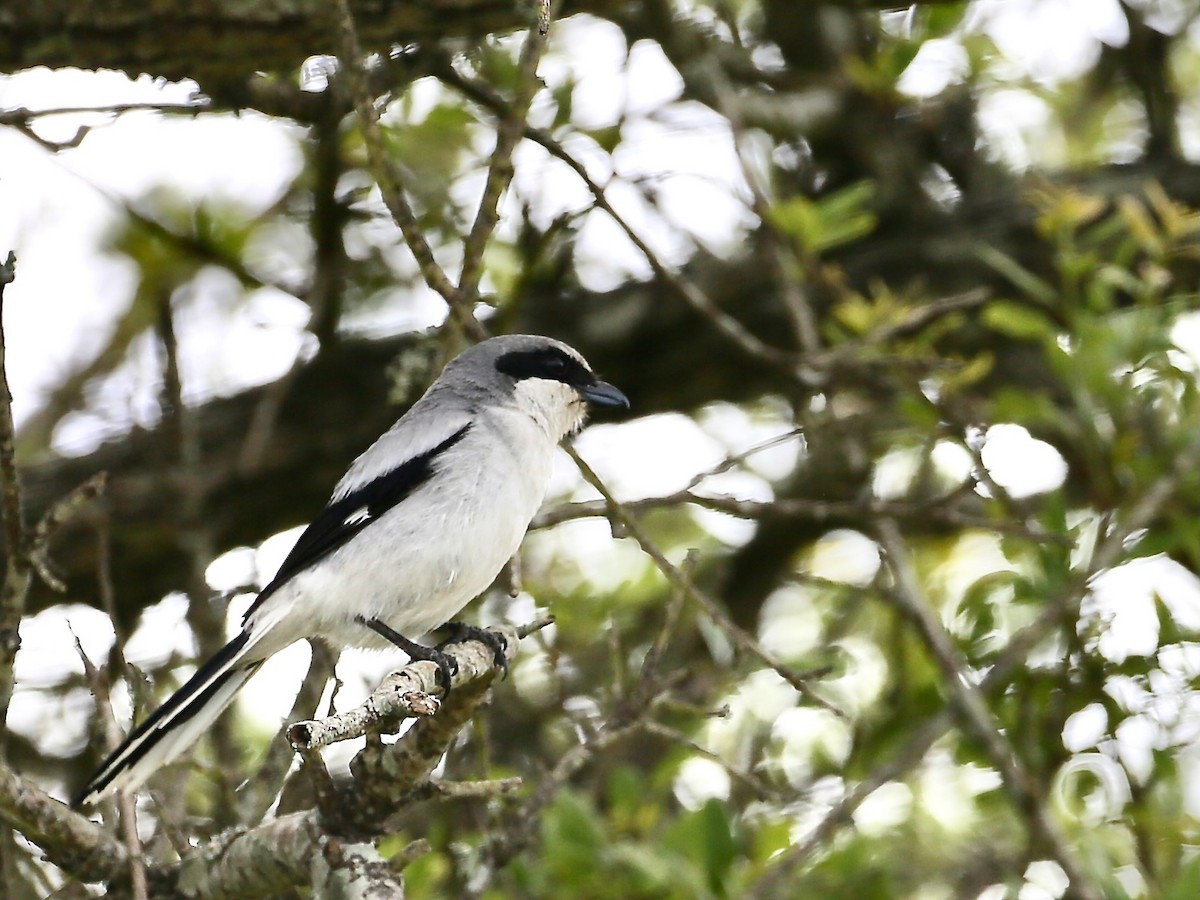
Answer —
(362, 514)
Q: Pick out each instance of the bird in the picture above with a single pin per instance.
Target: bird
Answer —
(421, 524)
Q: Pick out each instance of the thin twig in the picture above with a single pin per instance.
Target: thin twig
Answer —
(658, 647)
(195, 536)
(18, 576)
(21, 118)
(101, 688)
(513, 123)
(974, 711)
(725, 324)
(52, 519)
(269, 782)
(23, 114)
(516, 835)
(126, 802)
(734, 460)
(680, 580)
(935, 510)
(788, 266)
(391, 183)
(759, 788)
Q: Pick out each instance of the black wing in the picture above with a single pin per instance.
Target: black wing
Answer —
(344, 518)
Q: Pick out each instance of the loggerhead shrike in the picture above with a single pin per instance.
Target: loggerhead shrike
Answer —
(418, 526)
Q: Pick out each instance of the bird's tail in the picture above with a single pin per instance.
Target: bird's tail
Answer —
(177, 724)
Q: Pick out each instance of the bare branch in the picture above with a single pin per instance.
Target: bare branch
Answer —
(973, 709)
(725, 324)
(680, 580)
(125, 801)
(937, 510)
(18, 576)
(513, 124)
(789, 270)
(759, 788)
(56, 516)
(391, 183)
(70, 841)
(438, 789)
(408, 693)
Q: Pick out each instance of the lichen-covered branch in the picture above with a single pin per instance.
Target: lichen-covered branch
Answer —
(331, 849)
(71, 841)
(409, 693)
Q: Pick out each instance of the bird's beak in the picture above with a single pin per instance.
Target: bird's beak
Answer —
(604, 394)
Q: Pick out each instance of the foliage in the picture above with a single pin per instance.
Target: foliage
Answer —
(951, 389)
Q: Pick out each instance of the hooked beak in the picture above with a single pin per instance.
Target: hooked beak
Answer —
(604, 394)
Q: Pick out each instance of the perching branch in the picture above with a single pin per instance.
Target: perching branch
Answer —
(409, 693)
(327, 847)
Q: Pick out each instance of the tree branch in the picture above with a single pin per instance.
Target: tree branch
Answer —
(391, 182)
(681, 581)
(18, 575)
(71, 841)
(408, 693)
(973, 710)
(513, 124)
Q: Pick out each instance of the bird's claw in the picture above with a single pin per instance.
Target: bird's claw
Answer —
(460, 631)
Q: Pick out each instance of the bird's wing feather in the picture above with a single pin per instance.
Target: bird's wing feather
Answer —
(350, 513)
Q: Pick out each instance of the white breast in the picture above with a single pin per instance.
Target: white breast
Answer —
(421, 562)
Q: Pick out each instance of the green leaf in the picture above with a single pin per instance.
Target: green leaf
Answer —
(706, 838)
(1037, 288)
(1184, 886)
(1019, 321)
(828, 222)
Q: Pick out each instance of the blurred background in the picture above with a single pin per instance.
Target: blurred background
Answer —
(906, 302)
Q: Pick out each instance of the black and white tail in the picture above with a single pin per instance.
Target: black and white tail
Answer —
(177, 724)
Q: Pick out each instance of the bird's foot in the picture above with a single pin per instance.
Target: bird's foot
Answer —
(445, 663)
(461, 631)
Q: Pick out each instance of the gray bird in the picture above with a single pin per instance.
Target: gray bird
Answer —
(419, 525)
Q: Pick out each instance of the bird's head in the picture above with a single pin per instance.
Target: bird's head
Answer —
(541, 376)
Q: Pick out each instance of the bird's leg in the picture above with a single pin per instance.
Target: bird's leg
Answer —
(461, 631)
(445, 663)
